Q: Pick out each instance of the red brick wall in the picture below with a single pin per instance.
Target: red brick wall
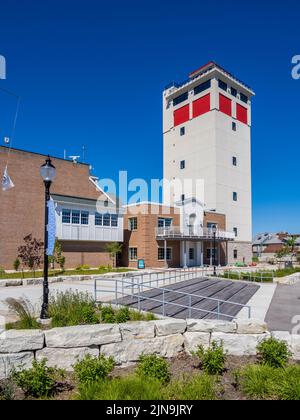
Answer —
(22, 208)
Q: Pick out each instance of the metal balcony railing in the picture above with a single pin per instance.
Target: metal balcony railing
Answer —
(176, 232)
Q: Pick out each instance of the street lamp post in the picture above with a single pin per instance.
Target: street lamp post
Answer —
(214, 230)
(48, 173)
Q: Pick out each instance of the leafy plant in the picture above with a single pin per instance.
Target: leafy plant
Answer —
(7, 391)
(38, 381)
(153, 366)
(274, 353)
(113, 248)
(17, 264)
(122, 315)
(213, 359)
(83, 267)
(2, 271)
(25, 313)
(108, 315)
(93, 369)
(289, 389)
(72, 308)
(31, 253)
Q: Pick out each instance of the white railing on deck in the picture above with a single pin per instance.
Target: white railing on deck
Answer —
(193, 232)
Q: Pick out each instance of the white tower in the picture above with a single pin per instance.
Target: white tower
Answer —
(207, 135)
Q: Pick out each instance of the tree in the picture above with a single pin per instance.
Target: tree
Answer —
(58, 256)
(17, 264)
(31, 253)
(113, 248)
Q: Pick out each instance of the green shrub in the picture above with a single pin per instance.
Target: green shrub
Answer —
(16, 264)
(213, 359)
(259, 381)
(289, 389)
(24, 310)
(122, 315)
(131, 388)
(273, 352)
(103, 268)
(93, 369)
(82, 267)
(2, 271)
(108, 315)
(38, 381)
(153, 366)
(198, 387)
(72, 308)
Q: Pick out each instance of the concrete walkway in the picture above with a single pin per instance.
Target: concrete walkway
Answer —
(260, 302)
(284, 307)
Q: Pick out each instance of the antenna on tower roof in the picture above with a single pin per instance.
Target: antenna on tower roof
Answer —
(84, 151)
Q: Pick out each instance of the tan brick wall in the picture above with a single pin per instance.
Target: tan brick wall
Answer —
(22, 208)
(144, 238)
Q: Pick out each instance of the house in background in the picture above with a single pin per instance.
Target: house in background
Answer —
(266, 245)
(87, 218)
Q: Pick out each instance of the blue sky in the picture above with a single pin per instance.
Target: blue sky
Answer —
(92, 73)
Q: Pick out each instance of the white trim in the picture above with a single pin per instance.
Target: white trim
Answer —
(93, 181)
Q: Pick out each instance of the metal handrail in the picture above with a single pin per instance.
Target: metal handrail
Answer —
(125, 284)
(197, 231)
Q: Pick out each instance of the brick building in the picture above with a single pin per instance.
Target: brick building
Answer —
(87, 218)
(160, 236)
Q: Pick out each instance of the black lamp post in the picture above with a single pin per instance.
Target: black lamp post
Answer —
(48, 173)
(214, 230)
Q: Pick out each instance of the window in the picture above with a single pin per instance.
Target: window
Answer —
(106, 203)
(66, 216)
(211, 225)
(202, 87)
(235, 231)
(234, 126)
(223, 85)
(181, 115)
(114, 220)
(235, 196)
(98, 219)
(182, 164)
(84, 217)
(233, 92)
(181, 98)
(191, 253)
(106, 219)
(244, 98)
(75, 217)
(182, 197)
(234, 161)
(164, 223)
(235, 254)
(132, 254)
(161, 254)
(182, 131)
(133, 223)
(225, 105)
(201, 106)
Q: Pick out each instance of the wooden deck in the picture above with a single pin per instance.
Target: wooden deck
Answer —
(229, 291)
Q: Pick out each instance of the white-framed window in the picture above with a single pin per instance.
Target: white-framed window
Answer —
(106, 219)
(235, 196)
(192, 253)
(98, 219)
(133, 254)
(235, 231)
(164, 222)
(182, 164)
(132, 223)
(114, 220)
(84, 217)
(161, 254)
(75, 217)
(211, 253)
(66, 216)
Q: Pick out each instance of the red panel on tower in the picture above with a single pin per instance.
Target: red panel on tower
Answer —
(225, 105)
(242, 113)
(201, 106)
(181, 115)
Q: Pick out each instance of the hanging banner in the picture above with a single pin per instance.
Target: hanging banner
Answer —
(7, 183)
(51, 228)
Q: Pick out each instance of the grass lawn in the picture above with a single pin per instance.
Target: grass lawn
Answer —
(55, 273)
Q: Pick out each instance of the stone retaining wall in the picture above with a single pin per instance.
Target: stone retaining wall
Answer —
(126, 342)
